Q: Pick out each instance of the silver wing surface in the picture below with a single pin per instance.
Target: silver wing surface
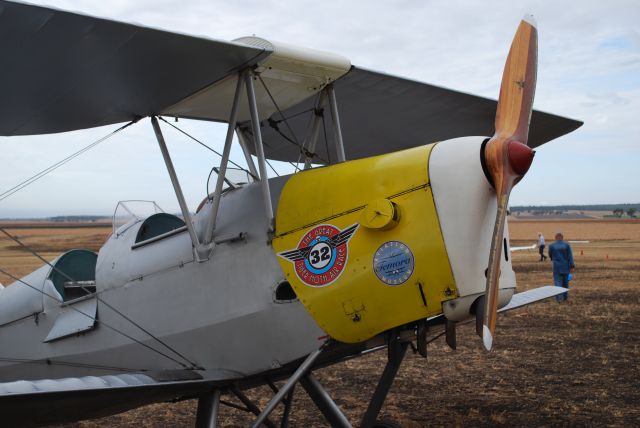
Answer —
(64, 71)
(380, 113)
(532, 296)
(47, 401)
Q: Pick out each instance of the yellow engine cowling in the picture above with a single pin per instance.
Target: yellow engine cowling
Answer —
(361, 244)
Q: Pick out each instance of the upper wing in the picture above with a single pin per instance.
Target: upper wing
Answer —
(380, 113)
(63, 71)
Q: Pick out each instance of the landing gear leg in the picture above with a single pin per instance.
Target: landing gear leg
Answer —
(304, 368)
(450, 334)
(251, 406)
(208, 407)
(284, 423)
(397, 351)
(323, 401)
(479, 315)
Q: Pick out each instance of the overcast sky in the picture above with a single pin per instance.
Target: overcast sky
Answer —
(589, 69)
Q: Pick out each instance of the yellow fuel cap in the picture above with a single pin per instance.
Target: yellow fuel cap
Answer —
(380, 214)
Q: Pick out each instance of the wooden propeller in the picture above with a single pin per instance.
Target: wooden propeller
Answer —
(506, 155)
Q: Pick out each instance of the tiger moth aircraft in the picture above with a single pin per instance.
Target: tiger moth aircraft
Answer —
(392, 232)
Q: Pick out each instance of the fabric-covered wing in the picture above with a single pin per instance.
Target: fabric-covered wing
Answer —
(532, 296)
(63, 71)
(518, 300)
(380, 113)
(47, 401)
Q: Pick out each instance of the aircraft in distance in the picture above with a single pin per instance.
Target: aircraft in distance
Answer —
(535, 245)
(391, 231)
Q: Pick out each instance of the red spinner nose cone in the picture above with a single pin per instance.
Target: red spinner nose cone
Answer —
(520, 157)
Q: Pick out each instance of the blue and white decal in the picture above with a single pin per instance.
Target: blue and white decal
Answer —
(393, 263)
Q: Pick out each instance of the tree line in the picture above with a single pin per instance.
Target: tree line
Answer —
(593, 207)
(619, 212)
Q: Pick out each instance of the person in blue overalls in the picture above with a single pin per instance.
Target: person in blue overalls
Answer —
(562, 258)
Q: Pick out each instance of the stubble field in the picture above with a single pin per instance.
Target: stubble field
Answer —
(570, 364)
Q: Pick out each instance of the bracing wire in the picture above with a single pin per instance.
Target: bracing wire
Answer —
(272, 168)
(35, 178)
(94, 319)
(201, 143)
(317, 111)
(289, 162)
(286, 122)
(316, 103)
(70, 364)
(275, 104)
(4, 195)
(295, 115)
(26, 247)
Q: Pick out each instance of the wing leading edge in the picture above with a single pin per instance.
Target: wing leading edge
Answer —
(380, 113)
(47, 401)
(62, 71)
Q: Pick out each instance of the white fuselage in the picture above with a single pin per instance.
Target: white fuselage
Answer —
(222, 314)
(211, 312)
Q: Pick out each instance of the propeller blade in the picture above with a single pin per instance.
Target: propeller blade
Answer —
(518, 86)
(506, 155)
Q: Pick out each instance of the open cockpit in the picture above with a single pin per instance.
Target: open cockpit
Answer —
(64, 280)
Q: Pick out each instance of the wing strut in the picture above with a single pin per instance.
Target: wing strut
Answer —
(336, 124)
(242, 139)
(257, 137)
(203, 249)
(314, 127)
(222, 172)
(198, 253)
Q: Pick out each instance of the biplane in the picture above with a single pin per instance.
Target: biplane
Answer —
(391, 231)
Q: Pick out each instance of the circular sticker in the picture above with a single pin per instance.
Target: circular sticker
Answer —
(393, 263)
(321, 254)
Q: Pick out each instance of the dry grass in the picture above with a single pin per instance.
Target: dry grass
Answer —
(572, 364)
(575, 230)
(48, 240)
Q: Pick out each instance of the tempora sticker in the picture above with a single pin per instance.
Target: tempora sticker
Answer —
(321, 254)
(393, 263)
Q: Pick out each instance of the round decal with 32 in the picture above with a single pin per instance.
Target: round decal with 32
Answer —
(321, 254)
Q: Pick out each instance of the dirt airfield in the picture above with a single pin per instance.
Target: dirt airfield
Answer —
(570, 364)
